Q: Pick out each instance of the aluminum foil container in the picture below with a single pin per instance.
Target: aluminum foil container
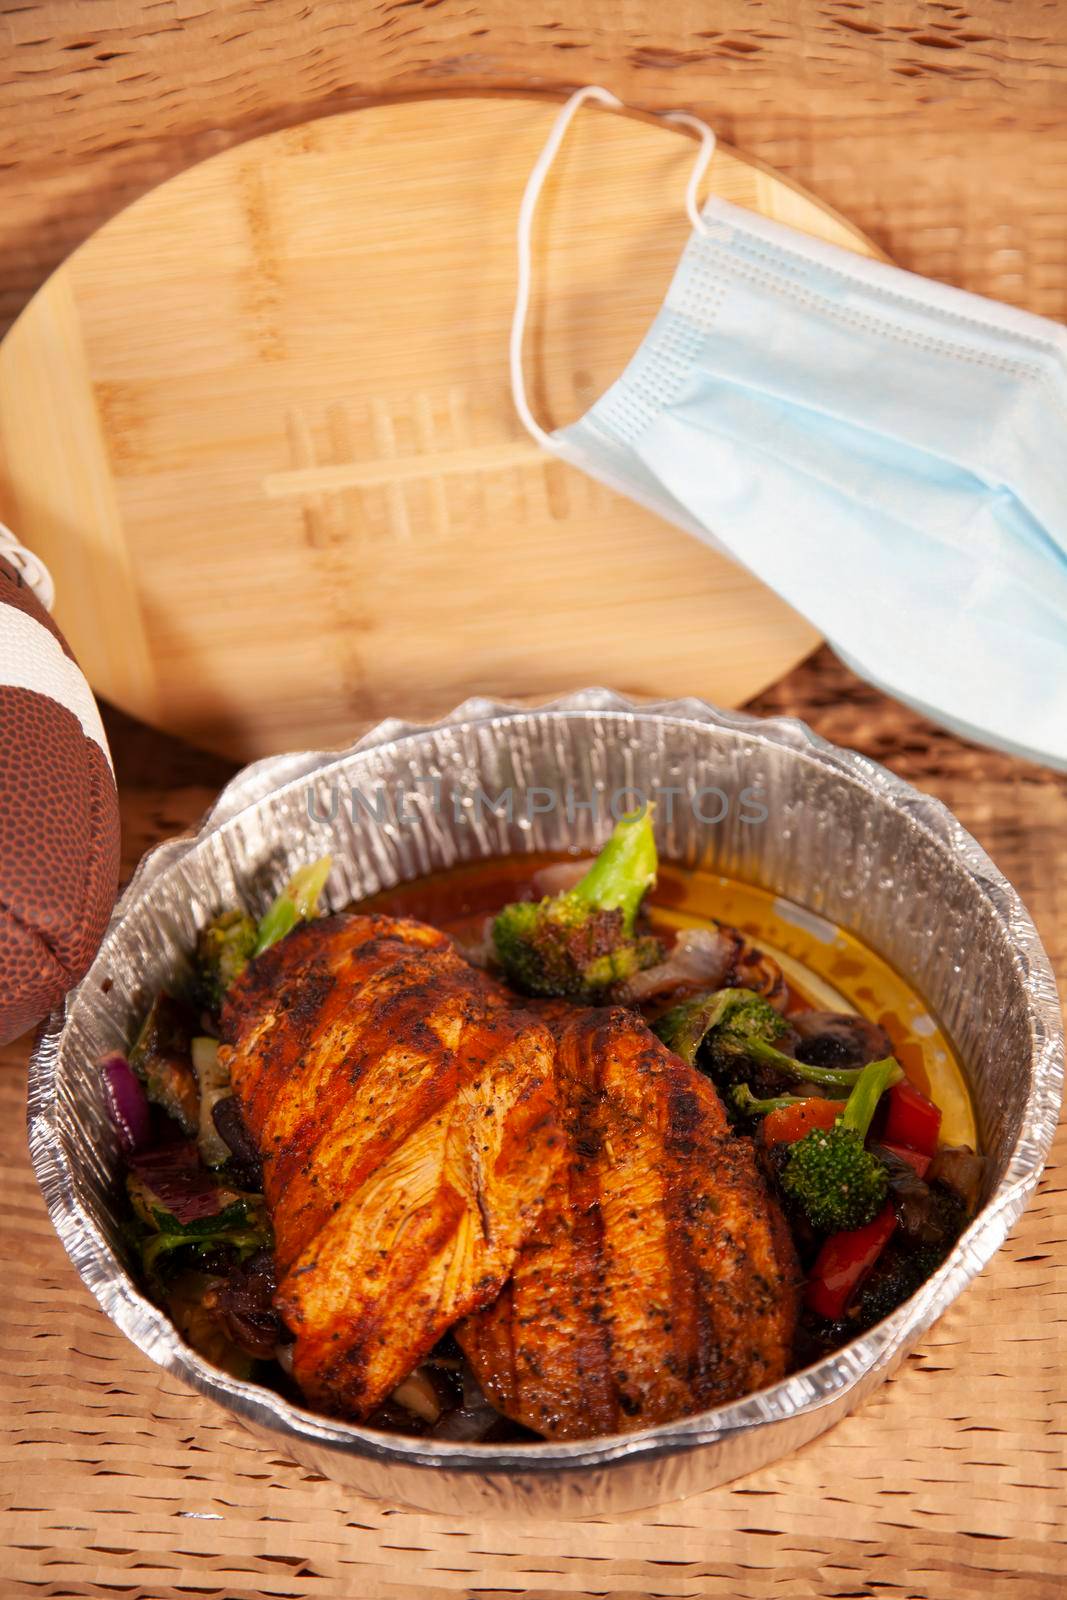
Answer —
(762, 800)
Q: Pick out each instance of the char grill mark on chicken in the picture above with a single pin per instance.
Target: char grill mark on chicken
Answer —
(405, 1112)
(660, 1278)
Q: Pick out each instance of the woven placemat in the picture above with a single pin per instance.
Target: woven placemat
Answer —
(950, 1481)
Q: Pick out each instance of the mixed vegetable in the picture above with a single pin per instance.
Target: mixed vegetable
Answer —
(873, 1213)
(845, 1138)
(199, 1222)
(580, 944)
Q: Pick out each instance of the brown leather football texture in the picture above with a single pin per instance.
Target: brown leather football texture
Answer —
(59, 825)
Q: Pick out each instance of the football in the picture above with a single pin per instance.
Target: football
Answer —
(59, 823)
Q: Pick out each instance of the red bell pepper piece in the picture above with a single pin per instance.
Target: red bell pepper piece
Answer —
(911, 1119)
(844, 1261)
(919, 1163)
(787, 1124)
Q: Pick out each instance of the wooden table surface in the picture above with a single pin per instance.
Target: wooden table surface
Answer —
(939, 129)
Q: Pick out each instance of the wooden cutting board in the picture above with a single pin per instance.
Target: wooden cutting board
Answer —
(259, 427)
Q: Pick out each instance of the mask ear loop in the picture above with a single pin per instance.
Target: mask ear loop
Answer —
(685, 119)
(532, 193)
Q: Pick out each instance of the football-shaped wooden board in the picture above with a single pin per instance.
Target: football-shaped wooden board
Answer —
(59, 828)
(259, 427)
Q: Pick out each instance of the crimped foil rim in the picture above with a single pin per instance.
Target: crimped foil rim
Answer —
(798, 1394)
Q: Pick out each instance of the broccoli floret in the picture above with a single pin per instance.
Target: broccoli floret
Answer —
(899, 1271)
(226, 946)
(831, 1176)
(749, 1105)
(580, 944)
(296, 903)
(223, 950)
(721, 1028)
(726, 1032)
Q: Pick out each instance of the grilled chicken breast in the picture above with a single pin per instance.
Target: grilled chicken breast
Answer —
(404, 1109)
(660, 1278)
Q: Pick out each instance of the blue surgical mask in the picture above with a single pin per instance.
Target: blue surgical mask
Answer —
(887, 453)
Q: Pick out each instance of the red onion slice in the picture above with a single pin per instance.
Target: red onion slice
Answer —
(126, 1103)
(180, 1183)
(700, 957)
